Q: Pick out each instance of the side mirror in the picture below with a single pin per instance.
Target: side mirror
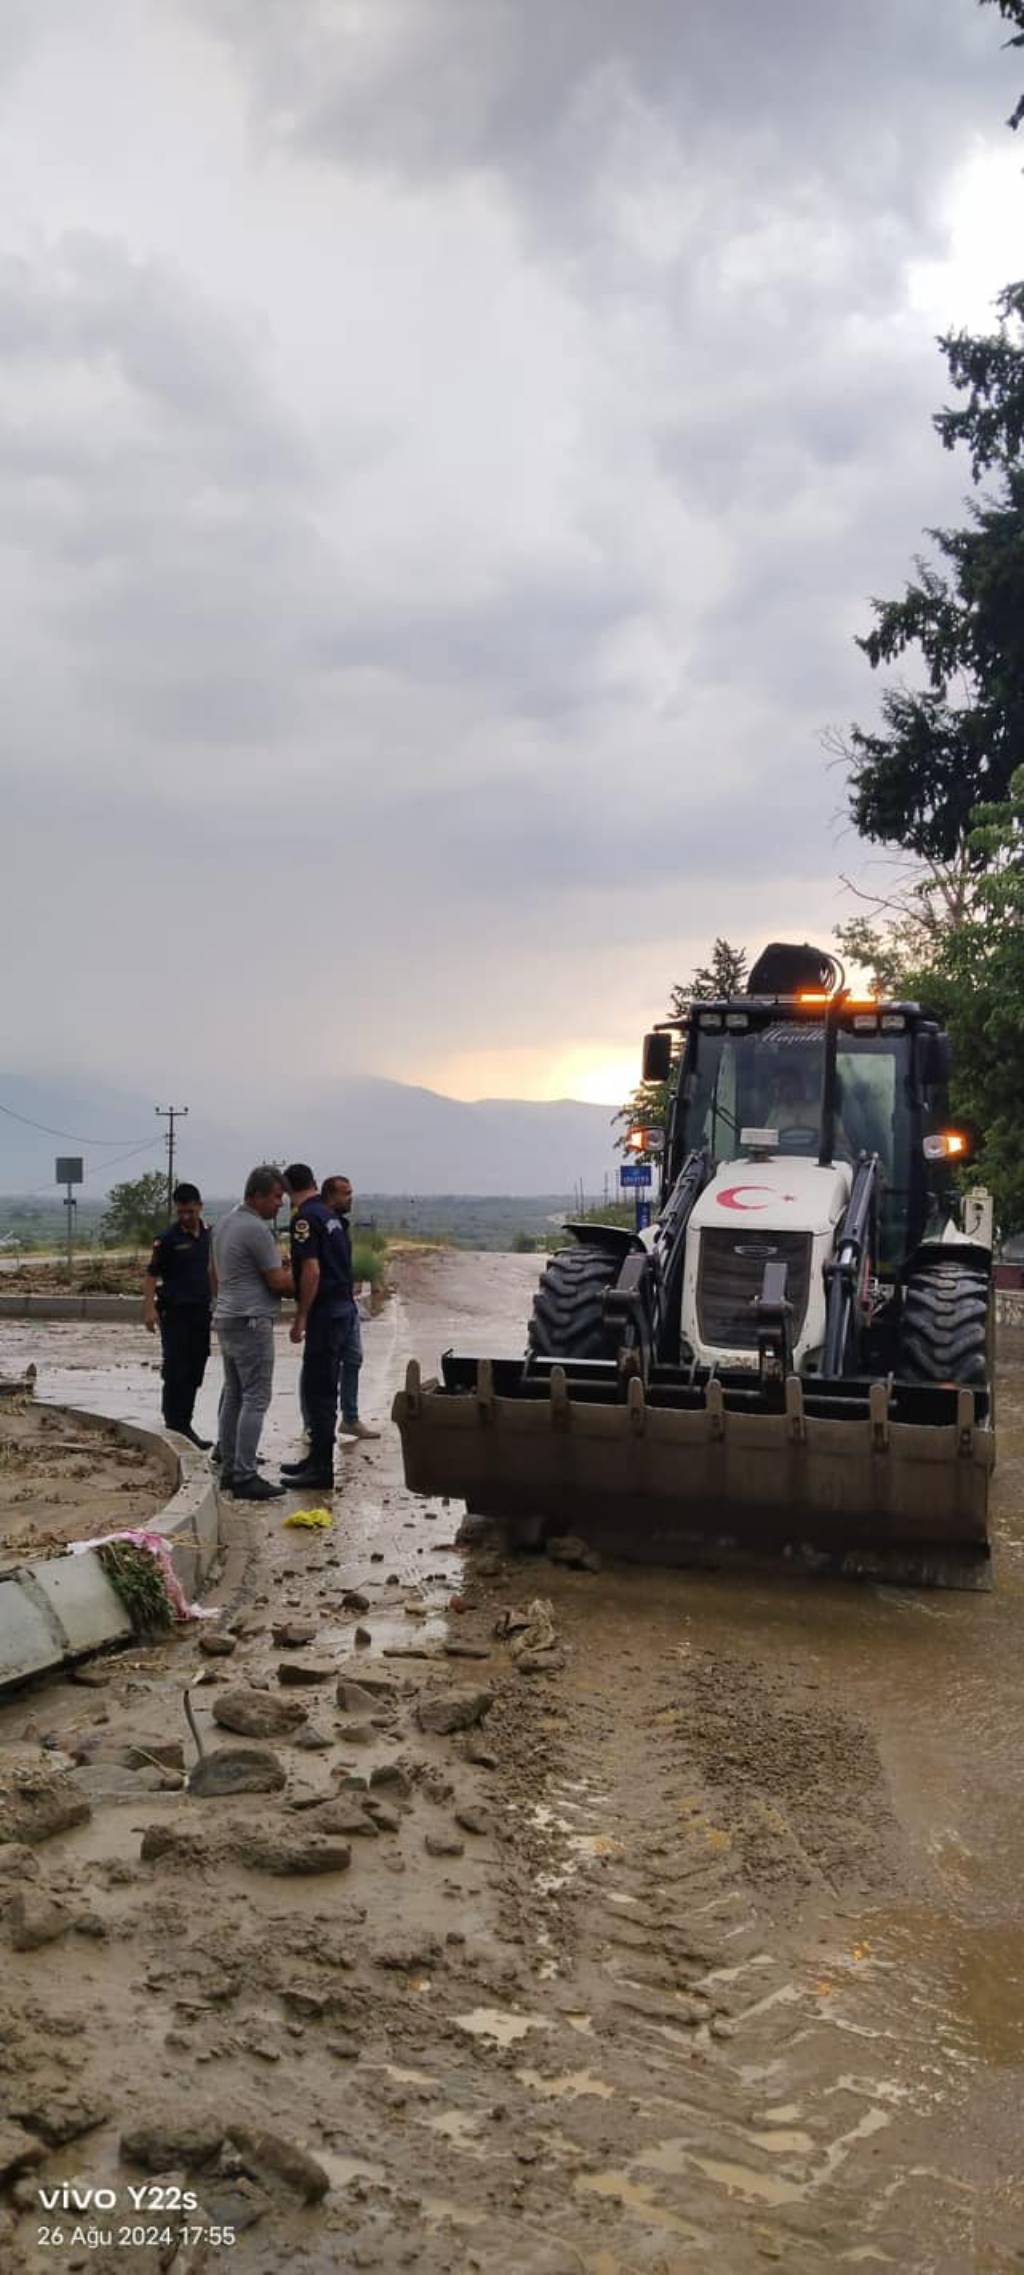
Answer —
(936, 1062)
(657, 1058)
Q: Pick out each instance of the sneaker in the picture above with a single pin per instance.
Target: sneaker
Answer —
(256, 1489)
(203, 1444)
(357, 1430)
(225, 1483)
(294, 1468)
(304, 1480)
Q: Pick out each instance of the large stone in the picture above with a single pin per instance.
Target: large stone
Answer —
(258, 1713)
(37, 1801)
(282, 1853)
(178, 2138)
(62, 2118)
(17, 1862)
(236, 1769)
(17, 2151)
(444, 1711)
(173, 1844)
(292, 1634)
(371, 1677)
(295, 1671)
(33, 1919)
(266, 2152)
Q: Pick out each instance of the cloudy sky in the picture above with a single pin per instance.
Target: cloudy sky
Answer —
(446, 447)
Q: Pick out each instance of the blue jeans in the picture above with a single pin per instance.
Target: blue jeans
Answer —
(351, 1361)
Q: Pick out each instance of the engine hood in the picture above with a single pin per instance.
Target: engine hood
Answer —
(784, 1194)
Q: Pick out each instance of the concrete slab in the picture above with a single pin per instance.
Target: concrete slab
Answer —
(30, 1638)
(88, 1608)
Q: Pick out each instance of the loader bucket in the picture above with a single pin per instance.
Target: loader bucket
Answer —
(866, 1479)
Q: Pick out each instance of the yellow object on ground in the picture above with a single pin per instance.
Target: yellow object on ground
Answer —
(313, 1518)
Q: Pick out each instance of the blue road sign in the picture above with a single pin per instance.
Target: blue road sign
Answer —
(636, 1173)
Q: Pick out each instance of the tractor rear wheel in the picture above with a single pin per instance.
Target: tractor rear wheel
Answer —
(568, 1319)
(944, 1333)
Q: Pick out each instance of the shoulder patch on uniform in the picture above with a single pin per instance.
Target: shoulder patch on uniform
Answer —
(300, 1230)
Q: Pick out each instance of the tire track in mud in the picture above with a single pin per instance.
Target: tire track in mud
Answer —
(701, 1846)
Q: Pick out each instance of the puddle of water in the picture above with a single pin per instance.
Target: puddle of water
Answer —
(979, 1971)
(404, 2077)
(575, 2085)
(618, 2188)
(495, 2022)
(458, 2127)
(788, 2140)
(784, 2113)
(742, 2180)
(438, 2208)
(341, 2170)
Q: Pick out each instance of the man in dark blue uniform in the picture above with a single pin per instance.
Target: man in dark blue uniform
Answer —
(176, 1295)
(324, 1308)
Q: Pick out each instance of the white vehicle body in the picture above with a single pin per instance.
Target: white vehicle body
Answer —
(764, 1208)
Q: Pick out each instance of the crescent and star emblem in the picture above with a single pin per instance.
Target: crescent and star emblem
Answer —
(730, 1197)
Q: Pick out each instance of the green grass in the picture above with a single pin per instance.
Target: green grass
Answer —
(368, 1254)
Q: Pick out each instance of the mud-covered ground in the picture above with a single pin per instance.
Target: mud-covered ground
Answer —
(60, 1480)
(701, 1952)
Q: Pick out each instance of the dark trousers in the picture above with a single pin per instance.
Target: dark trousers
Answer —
(326, 1335)
(185, 1336)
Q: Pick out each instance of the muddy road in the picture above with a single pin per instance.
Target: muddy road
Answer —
(702, 1953)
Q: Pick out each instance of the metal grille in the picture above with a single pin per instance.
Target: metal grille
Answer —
(730, 1277)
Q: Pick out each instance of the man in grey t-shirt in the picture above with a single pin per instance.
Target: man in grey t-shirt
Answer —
(250, 1280)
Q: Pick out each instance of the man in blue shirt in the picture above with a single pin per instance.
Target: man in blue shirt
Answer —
(176, 1294)
(324, 1308)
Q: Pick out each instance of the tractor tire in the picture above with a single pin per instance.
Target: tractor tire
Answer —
(944, 1332)
(568, 1309)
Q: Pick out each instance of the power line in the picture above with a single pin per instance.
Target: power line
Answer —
(170, 1115)
(74, 1135)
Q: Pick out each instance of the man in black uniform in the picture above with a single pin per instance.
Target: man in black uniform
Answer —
(176, 1293)
(324, 1305)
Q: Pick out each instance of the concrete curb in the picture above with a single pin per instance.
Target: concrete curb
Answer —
(124, 1307)
(60, 1607)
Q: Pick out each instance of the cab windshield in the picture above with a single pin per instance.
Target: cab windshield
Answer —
(773, 1078)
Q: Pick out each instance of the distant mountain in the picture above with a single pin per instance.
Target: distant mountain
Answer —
(389, 1137)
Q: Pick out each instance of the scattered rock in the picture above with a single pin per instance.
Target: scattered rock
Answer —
(270, 2152)
(108, 1781)
(237, 2203)
(34, 1919)
(314, 1740)
(344, 2049)
(354, 1600)
(478, 1753)
(190, 2140)
(386, 1819)
(296, 1671)
(172, 1844)
(570, 1550)
(216, 1644)
(64, 2118)
(444, 1844)
(541, 1662)
(291, 1634)
(370, 1678)
(392, 1776)
(362, 1636)
(258, 1714)
(276, 1852)
(444, 1711)
(18, 2151)
(143, 1753)
(17, 1862)
(357, 1733)
(467, 1650)
(341, 1816)
(472, 1819)
(409, 1956)
(354, 1698)
(236, 1769)
(38, 1801)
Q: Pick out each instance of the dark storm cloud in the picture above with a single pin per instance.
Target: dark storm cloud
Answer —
(445, 476)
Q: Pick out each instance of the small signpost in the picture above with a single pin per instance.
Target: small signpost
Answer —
(637, 1177)
(69, 1174)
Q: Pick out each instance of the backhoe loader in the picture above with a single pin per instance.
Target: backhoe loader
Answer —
(796, 1356)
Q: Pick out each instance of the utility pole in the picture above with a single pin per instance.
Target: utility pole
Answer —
(170, 1115)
